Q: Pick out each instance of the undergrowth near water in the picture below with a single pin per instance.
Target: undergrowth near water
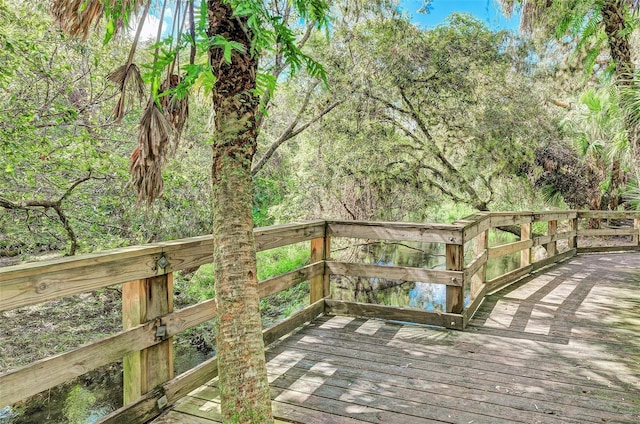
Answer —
(198, 286)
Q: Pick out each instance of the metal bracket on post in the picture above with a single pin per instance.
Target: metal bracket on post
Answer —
(161, 330)
(161, 264)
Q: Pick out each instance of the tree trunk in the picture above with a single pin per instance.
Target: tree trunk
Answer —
(617, 29)
(244, 388)
(616, 26)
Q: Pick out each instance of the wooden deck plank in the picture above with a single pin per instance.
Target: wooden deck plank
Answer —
(308, 407)
(561, 346)
(393, 383)
(448, 357)
(442, 402)
(391, 353)
(460, 378)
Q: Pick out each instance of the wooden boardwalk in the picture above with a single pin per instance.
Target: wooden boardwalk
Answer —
(561, 346)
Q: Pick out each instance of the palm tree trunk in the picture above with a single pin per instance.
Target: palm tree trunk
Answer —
(244, 388)
(617, 29)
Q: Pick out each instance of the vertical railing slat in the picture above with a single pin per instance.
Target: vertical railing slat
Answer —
(144, 301)
(455, 262)
(525, 254)
(552, 246)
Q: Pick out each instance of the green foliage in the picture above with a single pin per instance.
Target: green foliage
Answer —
(278, 261)
(77, 406)
(200, 285)
(449, 114)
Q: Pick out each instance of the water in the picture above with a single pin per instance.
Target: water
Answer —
(425, 295)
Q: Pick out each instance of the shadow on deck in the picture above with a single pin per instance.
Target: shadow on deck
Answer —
(561, 346)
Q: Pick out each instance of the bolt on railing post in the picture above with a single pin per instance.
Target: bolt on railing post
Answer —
(143, 301)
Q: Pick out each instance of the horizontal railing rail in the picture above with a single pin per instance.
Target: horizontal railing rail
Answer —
(32, 283)
(468, 254)
(137, 268)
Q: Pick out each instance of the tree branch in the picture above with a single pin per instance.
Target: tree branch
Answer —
(291, 130)
(56, 205)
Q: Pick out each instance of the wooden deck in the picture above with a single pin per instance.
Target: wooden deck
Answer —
(561, 346)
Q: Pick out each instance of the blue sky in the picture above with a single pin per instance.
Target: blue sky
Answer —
(487, 11)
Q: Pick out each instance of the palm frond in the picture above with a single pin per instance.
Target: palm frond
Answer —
(127, 77)
(76, 17)
(507, 7)
(176, 108)
(129, 80)
(155, 133)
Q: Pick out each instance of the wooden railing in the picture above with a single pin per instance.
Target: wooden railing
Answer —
(146, 275)
(149, 321)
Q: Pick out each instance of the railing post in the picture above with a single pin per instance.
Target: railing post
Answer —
(552, 246)
(319, 285)
(144, 301)
(636, 226)
(482, 244)
(455, 262)
(573, 226)
(525, 254)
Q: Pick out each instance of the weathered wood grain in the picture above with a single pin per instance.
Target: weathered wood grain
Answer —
(290, 279)
(145, 301)
(282, 235)
(474, 225)
(470, 311)
(316, 283)
(609, 232)
(32, 283)
(609, 249)
(510, 248)
(476, 265)
(417, 316)
(525, 235)
(454, 302)
(609, 214)
(553, 216)
(500, 219)
(553, 259)
(146, 407)
(434, 233)
(551, 246)
(508, 278)
(46, 373)
(296, 320)
(452, 278)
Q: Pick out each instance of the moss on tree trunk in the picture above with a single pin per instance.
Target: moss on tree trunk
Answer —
(244, 387)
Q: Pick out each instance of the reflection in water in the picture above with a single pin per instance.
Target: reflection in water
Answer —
(428, 296)
(424, 295)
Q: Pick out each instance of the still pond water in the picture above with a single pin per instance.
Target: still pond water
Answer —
(424, 295)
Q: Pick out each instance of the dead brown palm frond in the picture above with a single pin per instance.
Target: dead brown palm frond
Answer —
(76, 17)
(155, 133)
(176, 109)
(533, 12)
(175, 106)
(507, 7)
(128, 75)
